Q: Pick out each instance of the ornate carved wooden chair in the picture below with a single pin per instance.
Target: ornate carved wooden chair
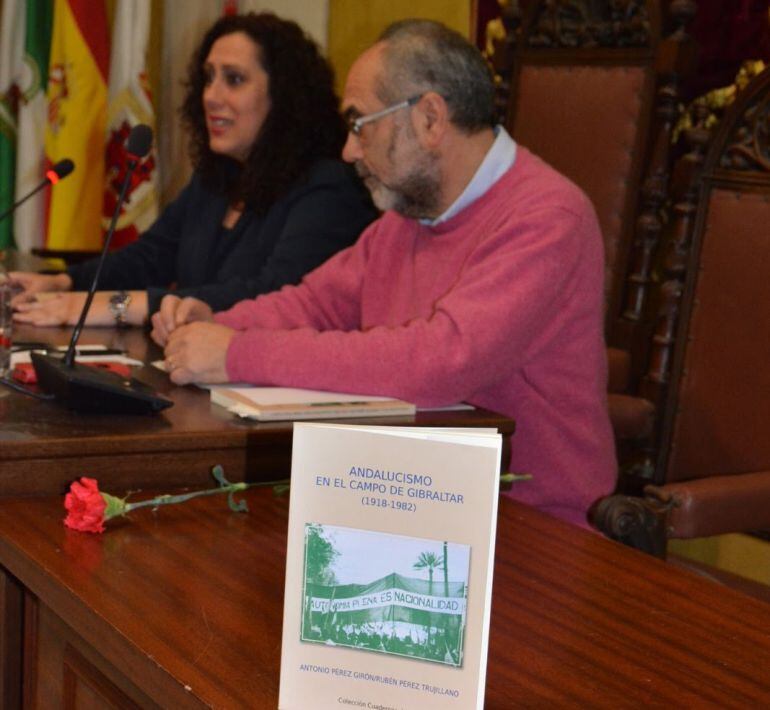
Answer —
(709, 375)
(592, 87)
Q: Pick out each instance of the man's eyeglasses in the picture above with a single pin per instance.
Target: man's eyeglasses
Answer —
(356, 124)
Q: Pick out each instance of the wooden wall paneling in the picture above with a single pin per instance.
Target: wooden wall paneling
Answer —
(11, 613)
(71, 676)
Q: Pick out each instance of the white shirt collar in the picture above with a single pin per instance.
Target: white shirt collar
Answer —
(498, 160)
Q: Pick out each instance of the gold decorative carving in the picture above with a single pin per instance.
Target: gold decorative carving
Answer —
(501, 37)
(749, 146)
(716, 101)
(591, 23)
(495, 31)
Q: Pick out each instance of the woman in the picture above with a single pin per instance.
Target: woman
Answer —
(268, 200)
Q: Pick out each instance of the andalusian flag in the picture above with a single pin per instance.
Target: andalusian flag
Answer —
(129, 104)
(33, 112)
(11, 52)
(77, 121)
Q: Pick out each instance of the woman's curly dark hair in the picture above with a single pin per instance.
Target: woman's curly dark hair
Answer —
(303, 124)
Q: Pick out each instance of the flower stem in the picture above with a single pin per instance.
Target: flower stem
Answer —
(167, 499)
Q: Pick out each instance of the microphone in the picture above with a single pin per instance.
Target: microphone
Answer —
(137, 146)
(52, 176)
(59, 171)
(90, 389)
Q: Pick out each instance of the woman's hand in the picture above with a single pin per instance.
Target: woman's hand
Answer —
(31, 284)
(45, 309)
(174, 312)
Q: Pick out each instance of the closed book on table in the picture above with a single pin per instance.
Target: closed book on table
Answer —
(288, 403)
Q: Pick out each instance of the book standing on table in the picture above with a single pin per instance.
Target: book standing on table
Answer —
(389, 566)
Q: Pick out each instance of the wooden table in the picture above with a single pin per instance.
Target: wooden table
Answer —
(43, 446)
(182, 607)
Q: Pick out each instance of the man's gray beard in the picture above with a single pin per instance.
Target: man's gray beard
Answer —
(417, 195)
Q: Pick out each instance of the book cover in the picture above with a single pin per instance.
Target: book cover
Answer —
(282, 403)
(389, 567)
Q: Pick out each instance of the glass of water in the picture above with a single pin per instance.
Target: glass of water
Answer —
(6, 324)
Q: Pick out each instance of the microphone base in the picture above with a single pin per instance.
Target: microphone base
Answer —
(95, 390)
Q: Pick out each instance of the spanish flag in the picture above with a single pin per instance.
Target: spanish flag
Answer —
(77, 121)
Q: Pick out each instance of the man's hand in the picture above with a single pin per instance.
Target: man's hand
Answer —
(31, 283)
(175, 311)
(197, 352)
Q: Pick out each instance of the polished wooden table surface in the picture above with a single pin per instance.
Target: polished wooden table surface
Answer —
(43, 446)
(183, 606)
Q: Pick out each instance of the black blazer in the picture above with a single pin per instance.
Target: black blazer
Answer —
(188, 252)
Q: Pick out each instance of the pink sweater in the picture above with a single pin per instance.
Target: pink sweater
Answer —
(500, 306)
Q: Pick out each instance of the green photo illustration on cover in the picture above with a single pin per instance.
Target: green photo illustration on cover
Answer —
(385, 593)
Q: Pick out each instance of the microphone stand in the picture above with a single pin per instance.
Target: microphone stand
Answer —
(69, 357)
(91, 389)
(13, 207)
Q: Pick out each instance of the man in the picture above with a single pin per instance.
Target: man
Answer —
(481, 282)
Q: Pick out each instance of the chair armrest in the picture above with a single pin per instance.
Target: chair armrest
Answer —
(633, 521)
(714, 505)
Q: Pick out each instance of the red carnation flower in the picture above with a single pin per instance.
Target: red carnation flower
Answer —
(85, 506)
(88, 508)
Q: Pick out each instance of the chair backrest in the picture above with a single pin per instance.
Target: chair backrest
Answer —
(710, 374)
(586, 79)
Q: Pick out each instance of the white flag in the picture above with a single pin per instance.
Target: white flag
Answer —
(11, 52)
(129, 104)
(11, 49)
(29, 220)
